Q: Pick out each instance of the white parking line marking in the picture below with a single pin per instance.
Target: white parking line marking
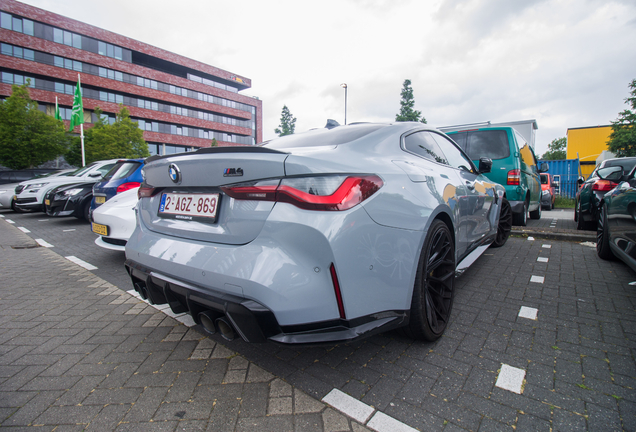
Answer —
(24, 230)
(510, 378)
(543, 259)
(10, 221)
(43, 243)
(537, 279)
(547, 246)
(68, 230)
(43, 220)
(81, 263)
(531, 238)
(383, 423)
(528, 312)
(348, 405)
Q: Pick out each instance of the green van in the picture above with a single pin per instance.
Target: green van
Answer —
(514, 166)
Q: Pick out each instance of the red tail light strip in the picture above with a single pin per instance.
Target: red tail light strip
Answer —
(603, 185)
(336, 288)
(127, 186)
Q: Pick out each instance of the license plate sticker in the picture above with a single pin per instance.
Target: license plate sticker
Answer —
(188, 206)
(99, 229)
(100, 200)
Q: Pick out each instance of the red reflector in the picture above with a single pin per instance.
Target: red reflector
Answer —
(603, 185)
(336, 288)
(127, 186)
(514, 177)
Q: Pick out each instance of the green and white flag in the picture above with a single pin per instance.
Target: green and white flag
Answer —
(77, 115)
(57, 110)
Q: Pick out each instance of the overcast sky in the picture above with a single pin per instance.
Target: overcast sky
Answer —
(565, 63)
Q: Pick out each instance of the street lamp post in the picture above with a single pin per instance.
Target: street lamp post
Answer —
(344, 86)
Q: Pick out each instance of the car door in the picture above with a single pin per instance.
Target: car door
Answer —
(476, 203)
(621, 214)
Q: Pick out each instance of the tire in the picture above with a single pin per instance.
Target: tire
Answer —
(602, 236)
(504, 226)
(521, 219)
(581, 224)
(434, 288)
(536, 214)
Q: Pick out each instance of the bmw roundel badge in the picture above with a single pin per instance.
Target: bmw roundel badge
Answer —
(174, 173)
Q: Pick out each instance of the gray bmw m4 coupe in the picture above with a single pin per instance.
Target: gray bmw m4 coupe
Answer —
(322, 237)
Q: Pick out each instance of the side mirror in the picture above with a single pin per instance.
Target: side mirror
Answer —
(95, 175)
(580, 181)
(485, 165)
(613, 173)
(544, 167)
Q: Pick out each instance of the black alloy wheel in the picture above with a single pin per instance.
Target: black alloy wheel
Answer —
(602, 236)
(505, 224)
(434, 288)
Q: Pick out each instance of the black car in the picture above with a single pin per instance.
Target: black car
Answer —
(70, 200)
(593, 189)
(616, 232)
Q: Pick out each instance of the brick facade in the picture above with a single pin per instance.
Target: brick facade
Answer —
(29, 67)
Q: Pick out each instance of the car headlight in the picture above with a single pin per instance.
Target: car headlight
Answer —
(545, 192)
(72, 192)
(36, 185)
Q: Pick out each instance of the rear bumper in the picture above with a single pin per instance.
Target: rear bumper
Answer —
(516, 206)
(251, 320)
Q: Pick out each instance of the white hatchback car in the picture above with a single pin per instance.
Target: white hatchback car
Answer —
(31, 196)
(7, 191)
(115, 220)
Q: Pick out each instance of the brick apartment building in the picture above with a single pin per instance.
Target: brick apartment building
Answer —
(180, 103)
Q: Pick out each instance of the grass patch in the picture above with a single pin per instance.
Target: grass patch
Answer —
(564, 202)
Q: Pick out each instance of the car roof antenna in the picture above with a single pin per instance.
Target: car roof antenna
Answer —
(331, 124)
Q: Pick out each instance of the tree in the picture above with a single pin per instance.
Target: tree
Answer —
(214, 143)
(122, 139)
(622, 140)
(556, 150)
(28, 137)
(287, 123)
(407, 113)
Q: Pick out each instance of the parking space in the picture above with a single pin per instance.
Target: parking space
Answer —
(542, 337)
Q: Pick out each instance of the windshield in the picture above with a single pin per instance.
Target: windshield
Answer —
(544, 179)
(324, 137)
(121, 170)
(82, 171)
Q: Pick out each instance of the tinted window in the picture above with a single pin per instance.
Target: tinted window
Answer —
(454, 156)
(544, 179)
(423, 144)
(121, 170)
(492, 144)
(324, 137)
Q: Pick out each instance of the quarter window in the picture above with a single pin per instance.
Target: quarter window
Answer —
(454, 156)
(423, 144)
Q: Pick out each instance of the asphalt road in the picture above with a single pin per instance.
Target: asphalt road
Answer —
(550, 310)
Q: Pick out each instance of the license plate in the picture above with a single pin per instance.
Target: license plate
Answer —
(189, 206)
(47, 202)
(100, 200)
(100, 229)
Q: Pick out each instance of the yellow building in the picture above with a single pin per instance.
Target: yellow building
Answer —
(587, 143)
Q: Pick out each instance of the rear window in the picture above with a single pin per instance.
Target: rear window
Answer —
(492, 144)
(121, 170)
(628, 165)
(324, 137)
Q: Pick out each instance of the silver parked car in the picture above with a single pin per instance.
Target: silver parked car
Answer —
(325, 236)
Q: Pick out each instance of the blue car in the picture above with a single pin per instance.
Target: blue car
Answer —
(125, 175)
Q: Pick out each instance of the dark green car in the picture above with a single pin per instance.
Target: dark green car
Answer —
(616, 229)
(514, 166)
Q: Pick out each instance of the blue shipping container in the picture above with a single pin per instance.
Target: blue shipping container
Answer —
(565, 173)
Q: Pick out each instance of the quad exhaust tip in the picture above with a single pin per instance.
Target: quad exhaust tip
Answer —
(212, 323)
(141, 289)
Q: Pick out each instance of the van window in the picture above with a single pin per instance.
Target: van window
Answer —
(492, 144)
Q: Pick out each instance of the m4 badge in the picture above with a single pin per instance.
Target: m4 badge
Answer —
(233, 172)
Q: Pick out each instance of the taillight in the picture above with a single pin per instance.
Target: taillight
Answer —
(603, 185)
(146, 191)
(127, 186)
(331, 193)
(513, 177)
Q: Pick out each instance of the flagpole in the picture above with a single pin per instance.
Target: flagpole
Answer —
(82, 128)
